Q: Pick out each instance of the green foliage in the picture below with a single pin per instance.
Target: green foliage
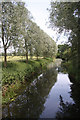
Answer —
(18, 72)
(22, 34)
(64, 52)
(21, 71)
(39, 43)
(66, 17)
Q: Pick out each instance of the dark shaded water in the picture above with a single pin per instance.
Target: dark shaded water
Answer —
(48, 96)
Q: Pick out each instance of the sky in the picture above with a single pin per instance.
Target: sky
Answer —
(38, 9)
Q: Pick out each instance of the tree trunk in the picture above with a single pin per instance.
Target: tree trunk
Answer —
(37, 57)
(5, 50)
(5, 57)
(26, 47)
(26, 57)
(31, 57)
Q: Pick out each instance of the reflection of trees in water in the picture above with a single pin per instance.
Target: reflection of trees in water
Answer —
(31, 103)
(75, 94)
(68, 110)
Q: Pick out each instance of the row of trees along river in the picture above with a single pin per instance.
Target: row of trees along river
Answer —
(26, 38)
(22, 34)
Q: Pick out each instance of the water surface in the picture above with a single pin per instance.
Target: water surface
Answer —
(60, 89)
(44, 97)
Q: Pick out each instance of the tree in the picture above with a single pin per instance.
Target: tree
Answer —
(42, 44)
(7, 23)
(22, 34)
(66, 17)
(23, 17)
(15, 23)
(64, 52)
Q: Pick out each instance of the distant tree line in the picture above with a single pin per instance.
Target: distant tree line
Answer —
(20, 32)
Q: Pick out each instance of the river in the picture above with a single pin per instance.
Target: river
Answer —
(48, 96)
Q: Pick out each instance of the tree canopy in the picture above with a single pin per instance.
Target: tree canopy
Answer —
(20, 32)
(66, 17)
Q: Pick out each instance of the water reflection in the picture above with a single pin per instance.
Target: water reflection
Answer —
(65, 110)
(69, 110)
(51, 95)
(30, 104)
(60, 88)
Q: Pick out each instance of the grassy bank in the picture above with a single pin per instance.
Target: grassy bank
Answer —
(18, 73)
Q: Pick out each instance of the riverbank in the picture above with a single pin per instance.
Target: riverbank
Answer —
(49, 95)
(18, 73)
(74, 74)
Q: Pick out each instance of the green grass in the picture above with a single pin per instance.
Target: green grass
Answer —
(16, 58)
(16, 73)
